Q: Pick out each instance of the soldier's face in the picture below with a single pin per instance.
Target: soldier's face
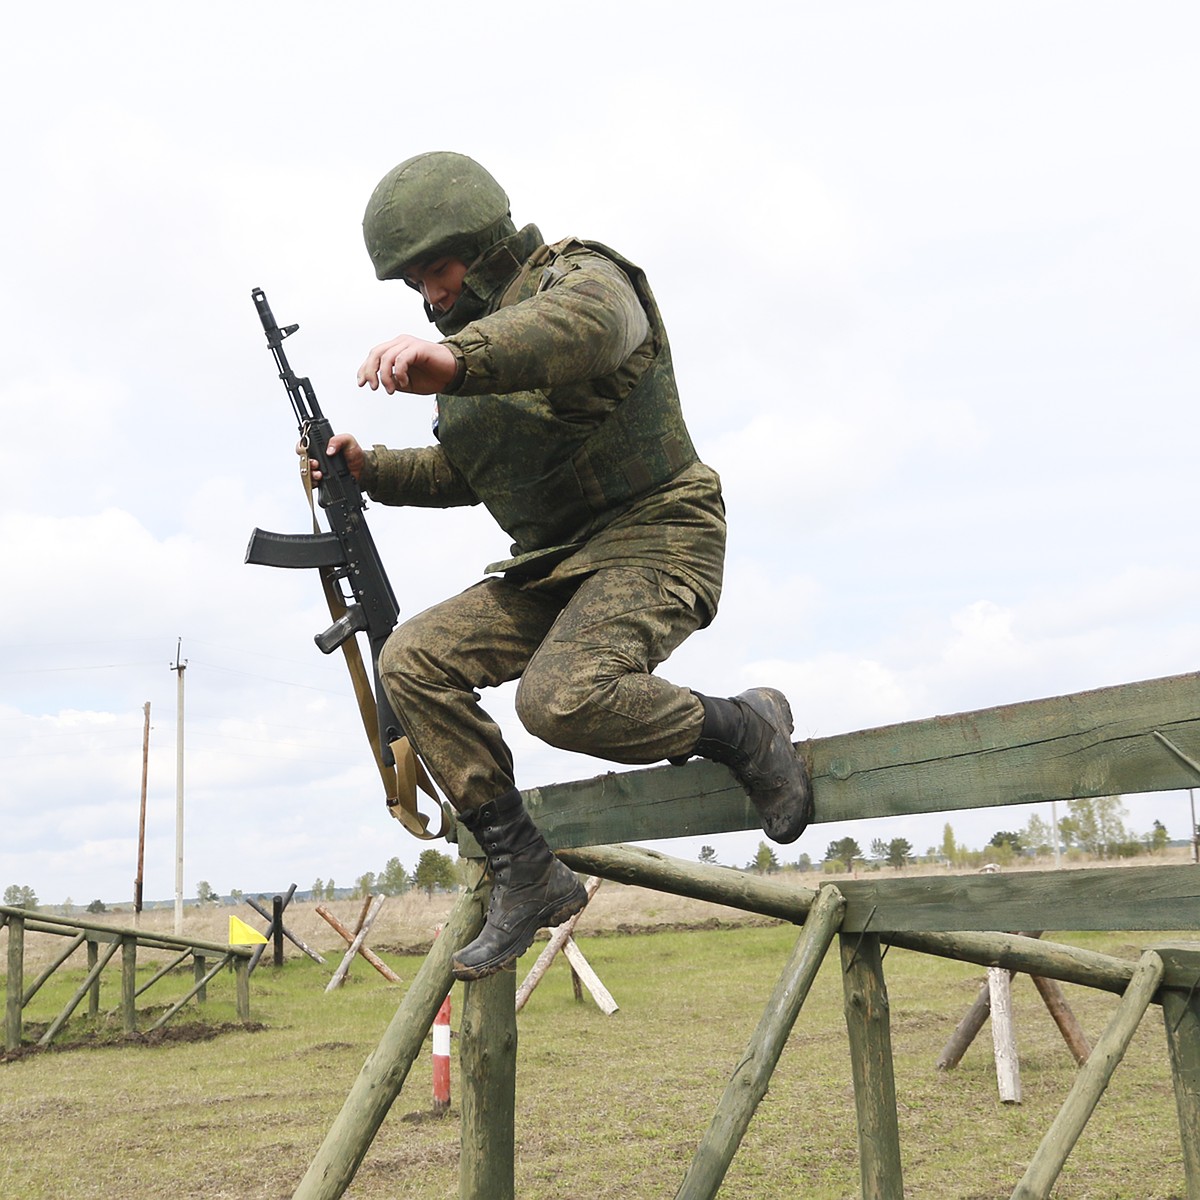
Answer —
(439, 282)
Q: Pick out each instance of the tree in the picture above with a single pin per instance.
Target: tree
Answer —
(318, 888)
(20, 896)
(393, 880)
(330, 890)
(435, 870)
(845, 850)
(364, 885)
(236, 895)
(1007, 837)
(879, 848)
(97, 906)
(708, 854)
(764, 860)
(205, 894)
(899, 852)
(1099, 824)
(1158, 838)
(949, 843)
(1037, 835)
(804, 862)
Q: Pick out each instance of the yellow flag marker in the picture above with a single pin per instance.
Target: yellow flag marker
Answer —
(241, 934)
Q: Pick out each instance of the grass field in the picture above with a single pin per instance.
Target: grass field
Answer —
(607, 1106)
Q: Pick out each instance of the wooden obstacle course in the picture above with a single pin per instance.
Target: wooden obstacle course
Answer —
(127, 941)
(1138, 737)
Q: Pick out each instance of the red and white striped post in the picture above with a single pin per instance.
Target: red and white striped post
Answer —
(441, 1058)
(441, 1053)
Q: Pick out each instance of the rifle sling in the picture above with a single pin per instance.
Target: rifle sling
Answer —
(400, 782)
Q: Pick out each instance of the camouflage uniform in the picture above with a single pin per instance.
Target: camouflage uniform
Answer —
(563, 421)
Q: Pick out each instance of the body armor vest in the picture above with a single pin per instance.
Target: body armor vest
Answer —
(551, 482)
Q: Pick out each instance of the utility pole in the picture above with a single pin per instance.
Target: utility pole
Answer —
(1195, 827)
(179, 668)
(141, 859)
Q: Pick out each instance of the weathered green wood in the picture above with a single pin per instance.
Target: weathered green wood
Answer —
(1181, 1016)
(197, 987)
(198, 974)
(1094, 743)
(33, 989)
(1091, 1081)
(129, 984)
(93, 953)
(241, 972)
(164, 970)
(869, 1024)
(752, 1074)
(1111, 898)
(383, 1074)
(488, 1056)
(752, 893)
(14, 982)
(92, 977)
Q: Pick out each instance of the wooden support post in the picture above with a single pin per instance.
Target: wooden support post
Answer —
(868, 1022)
(339, 976)
(198, 976)
(1004, 1036)
(15, 983)
(1181, 1016)
(1056, 1004)
(384, 1072)
(241, 972)
(93, 977)
(277, 930)
(558, 938)
(1091, 1081)
(968, 1028)
(93, 952)
(129, 984)
(753, 1072)
(58, 961)
(488, 1059)
(583, 970)
(165, 969)
(348, 938)
(270, 930)
(196, 988)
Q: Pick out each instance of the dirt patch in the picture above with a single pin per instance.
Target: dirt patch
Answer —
(100, 1039)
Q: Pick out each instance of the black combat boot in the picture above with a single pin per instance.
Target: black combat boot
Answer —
(531, 889)
(751, 734)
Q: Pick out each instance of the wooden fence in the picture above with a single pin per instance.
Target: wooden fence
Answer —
(1135, 738)
(208, 959)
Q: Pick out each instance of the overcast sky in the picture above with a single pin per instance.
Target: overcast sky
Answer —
(930, 272)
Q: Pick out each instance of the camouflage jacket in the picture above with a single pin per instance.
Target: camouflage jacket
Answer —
(564, 421)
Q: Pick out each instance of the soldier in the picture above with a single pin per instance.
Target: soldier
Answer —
(557, 410)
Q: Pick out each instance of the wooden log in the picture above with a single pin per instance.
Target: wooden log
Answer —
(752, 1074)
(298, 942)
(339, 976)
(57, 962)
(1097, 743)
(869, 1024)
(258, 951)
(1181, 1017)
(365, 951)
(84, 988)
(93, 954)
(195, 989)
(241, 971)
(198, 961)
(967, 1029)
(129, 984)
(1004, 1036)
(14, 985)
(583, 971)
(1057, 1006)
(773, 898)
(1091, 1081)
(558, 938)
(383, 1074)
(165, 970)
(488, 1068)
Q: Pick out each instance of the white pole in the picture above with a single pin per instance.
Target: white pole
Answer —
(179, 669)
(1195, 831)
(1054, 833)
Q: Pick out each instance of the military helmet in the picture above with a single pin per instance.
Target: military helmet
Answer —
(433, 204)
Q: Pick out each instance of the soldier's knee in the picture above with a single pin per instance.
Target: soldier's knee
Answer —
(402, 663)
(553, 709)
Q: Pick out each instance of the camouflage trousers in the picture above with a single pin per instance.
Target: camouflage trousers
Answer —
(584, 652)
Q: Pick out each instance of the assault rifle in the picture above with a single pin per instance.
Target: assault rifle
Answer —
(346, 553)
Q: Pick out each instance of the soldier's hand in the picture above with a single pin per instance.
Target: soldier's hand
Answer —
(344, 443)
(409, 364)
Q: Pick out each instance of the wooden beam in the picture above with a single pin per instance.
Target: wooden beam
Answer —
(1096, 743)
(1105, 898)
(1181, 1015)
